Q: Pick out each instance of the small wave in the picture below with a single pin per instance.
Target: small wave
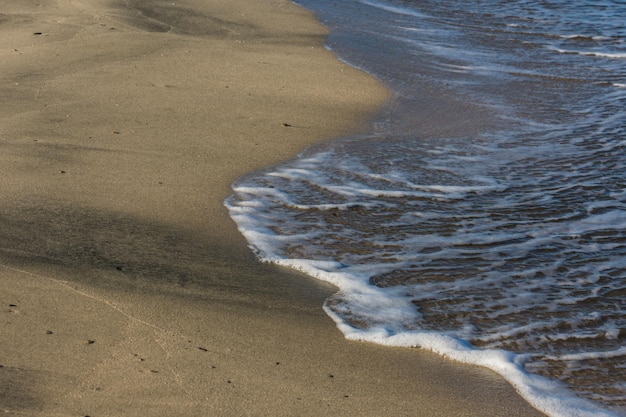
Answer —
(394, 9)
(590, 355)
(584, 37)
(613, 55)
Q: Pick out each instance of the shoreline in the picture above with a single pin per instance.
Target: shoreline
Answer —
(125, 287)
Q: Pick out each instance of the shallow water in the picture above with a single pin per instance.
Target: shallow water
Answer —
(484, 217)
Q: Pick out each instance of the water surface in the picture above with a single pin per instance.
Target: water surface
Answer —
(484, 216)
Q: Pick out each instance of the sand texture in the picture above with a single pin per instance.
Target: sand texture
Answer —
(125, 288)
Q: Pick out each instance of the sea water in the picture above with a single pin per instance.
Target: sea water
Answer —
(484, 216)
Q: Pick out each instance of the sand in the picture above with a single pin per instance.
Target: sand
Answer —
(125, 288)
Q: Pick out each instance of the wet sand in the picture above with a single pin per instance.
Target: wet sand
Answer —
(125, 289)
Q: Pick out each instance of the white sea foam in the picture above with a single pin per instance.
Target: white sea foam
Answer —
(584, 37)
(394, 9)
(546, 395)
(599, 54)
(392, 313)
(591, 355)
(392, 318)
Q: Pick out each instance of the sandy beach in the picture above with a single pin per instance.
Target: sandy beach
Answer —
(125, 288)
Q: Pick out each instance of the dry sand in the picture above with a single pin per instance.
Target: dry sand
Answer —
(125, 289)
